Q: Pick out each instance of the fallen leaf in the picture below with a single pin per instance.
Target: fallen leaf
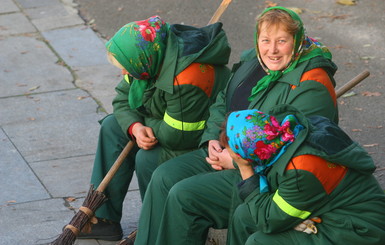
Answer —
(335, 17)
(71, 199)
(11, 201)
(82, 97)
(120, 8)
(377, 127)
(367, 57)
(21, 84)
(371, 145)
(367, 93)
(296, 10)
(23, 52)
(60, 62)
(270, 4)
(31, 118)
(34, 88)
(349, 94)
(347, 2)
(356, 130)
(358, 109)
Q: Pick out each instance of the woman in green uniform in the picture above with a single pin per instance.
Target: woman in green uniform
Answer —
(304, 182)
(172, 74)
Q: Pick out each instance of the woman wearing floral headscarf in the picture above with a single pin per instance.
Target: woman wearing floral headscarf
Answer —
(304, 182)
(285, 67)
(172, 74)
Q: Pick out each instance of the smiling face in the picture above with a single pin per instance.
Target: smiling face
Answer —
(275, 46)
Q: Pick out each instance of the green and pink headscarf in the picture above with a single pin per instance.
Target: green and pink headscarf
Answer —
(140, 47)
(260, 139)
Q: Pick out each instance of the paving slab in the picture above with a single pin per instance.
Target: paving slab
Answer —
(8, 6)
(68, 177)
(52, 125)
(15, 23)
(77, 46)
(37, 3)
(100, 81)
(56, 16)
(32, 223)
(18, 182)
(40, 71)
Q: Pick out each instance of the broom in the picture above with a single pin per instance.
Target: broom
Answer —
(95, 198)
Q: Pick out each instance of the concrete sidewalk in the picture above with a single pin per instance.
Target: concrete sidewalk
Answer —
(55, 84)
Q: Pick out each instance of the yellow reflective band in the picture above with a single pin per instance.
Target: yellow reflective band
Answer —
(287, 208)
(185, 126)
(127, 78)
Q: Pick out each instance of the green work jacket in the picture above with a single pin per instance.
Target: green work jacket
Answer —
(309, 87)
(176, 106)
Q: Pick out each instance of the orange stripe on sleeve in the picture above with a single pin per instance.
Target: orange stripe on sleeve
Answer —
(200, 75)
(321, 76)
(329, 174)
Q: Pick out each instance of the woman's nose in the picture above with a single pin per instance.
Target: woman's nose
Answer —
(274, 47)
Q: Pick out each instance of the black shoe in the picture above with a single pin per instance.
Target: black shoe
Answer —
(104, 230)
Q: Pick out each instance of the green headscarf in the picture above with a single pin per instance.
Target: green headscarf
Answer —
(304, 49)
(140, 47)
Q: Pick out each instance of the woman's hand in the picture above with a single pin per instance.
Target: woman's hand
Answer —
(145, 138)
(219, 158)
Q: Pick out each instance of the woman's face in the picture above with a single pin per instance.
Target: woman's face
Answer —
(116, 63)
(275, 47)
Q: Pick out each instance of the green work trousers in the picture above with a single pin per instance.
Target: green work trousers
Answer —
(184, 198)
(111, 142)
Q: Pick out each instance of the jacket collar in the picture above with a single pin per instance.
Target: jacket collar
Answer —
(165, 80)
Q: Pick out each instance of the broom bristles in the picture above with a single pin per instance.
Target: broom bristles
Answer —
(93, 201)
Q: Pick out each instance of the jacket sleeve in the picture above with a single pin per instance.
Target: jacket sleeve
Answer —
(299, 194)
(124, 115)
(216, 119)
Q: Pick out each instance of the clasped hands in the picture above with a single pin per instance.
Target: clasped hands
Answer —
(219, 158)
(144, 136)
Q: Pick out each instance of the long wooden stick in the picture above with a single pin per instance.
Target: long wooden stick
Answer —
(356, 80)
(221, 9)
(110, 174)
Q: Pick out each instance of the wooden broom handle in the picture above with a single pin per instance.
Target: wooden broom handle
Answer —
(220, 10)
(110, 174)
(356, 80)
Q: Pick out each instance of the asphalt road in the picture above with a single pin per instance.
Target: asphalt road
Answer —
(355, 35)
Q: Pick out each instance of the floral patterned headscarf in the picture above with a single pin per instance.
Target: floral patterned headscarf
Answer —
(260, 139)
(140, 47)
(304, 49)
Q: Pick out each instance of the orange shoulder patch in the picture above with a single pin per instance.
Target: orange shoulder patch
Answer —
(321, 76)
(329, 174)
(199, 75)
